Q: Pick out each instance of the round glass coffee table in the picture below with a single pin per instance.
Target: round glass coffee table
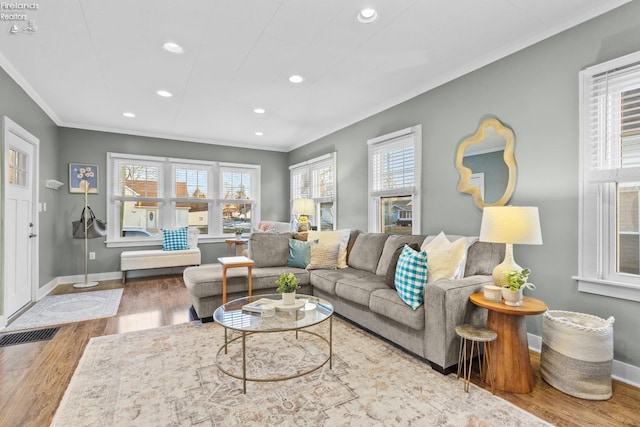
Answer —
(308, 311)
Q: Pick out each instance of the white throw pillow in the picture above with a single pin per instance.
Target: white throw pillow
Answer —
(329, 238)
(444, 257)
(192, 237)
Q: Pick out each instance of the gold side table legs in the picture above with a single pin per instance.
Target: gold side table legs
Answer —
(476, 335)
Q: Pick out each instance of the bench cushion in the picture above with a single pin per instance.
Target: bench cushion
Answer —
(157, 258)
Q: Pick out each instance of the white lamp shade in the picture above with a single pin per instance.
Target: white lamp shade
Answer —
(511, 224)
(304, 207)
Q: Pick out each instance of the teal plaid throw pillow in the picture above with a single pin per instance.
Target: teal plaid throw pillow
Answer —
(175, 240)
(411, 275)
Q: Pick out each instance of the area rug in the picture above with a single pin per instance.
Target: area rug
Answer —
(60, 309)
(168, 377)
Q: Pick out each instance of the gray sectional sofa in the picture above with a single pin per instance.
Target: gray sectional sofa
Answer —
(359, 292)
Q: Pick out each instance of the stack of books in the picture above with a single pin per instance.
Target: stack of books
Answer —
(263, 306)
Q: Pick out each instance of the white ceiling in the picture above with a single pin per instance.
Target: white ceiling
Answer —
(92, 60)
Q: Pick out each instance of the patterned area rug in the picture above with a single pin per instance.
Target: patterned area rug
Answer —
(67, 308)
(168, 377)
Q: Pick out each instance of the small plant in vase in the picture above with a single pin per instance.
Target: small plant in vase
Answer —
(516, 282)
(287, 284)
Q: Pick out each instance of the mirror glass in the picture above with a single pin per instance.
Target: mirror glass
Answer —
(487, 165)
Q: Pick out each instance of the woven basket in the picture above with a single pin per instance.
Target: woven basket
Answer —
(577, 354)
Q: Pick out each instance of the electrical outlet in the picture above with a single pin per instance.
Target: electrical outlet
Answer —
(92, 255)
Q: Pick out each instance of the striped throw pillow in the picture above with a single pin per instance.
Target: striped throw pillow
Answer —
(323, 257)
(411, 275)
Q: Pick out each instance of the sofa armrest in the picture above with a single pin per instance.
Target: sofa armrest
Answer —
(447, 305)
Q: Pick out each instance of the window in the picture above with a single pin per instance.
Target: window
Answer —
(609, 262)
(394, 182)
(148, 193)
(315, 179)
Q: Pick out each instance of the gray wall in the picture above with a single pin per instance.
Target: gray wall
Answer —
(535, 92)
(84, 146)
(19, 107)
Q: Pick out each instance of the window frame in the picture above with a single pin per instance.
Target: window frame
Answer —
(168, 198)
(415, 191)
(597, 246)
(308, 168)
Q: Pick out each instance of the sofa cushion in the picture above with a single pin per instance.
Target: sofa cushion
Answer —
(390, 277)
(328, 238)
(206, 280)
(366, 251)
(387, 303)
(411, 276)
(482, 257)
(444, 258)
(359, 290)
(390, 246)
(326, 280)
(269, 249)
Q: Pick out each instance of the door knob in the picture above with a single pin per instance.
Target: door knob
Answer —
(32, 235)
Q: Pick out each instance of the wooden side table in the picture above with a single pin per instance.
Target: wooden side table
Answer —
(510, 355)
(235, 262)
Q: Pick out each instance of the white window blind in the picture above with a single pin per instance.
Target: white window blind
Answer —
(392, 166)
(237, 184)
(613, 123)
(300, 183)
(137, 179)
(314, 179)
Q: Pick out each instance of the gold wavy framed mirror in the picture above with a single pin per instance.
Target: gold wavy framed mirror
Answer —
(487, 164)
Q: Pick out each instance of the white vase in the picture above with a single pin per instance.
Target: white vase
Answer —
(288, 298)
(511, 298)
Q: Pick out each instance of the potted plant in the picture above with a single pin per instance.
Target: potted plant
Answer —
(287, 284)
(516, 282)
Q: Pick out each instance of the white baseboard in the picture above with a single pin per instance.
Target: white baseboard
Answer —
(620, 371)
(2, 322)
(44, 291)
(93, 277)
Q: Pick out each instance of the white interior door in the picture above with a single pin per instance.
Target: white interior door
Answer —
(20, 158)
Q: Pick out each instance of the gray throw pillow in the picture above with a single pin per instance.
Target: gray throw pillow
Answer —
(390, 278)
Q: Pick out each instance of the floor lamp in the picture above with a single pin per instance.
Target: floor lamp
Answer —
(86, 284)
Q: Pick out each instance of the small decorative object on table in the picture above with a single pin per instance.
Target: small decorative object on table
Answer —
(516, 282)
(492, 293)
(287, 284)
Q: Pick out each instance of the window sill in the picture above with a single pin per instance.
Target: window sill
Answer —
(158, 242)
(608, 288)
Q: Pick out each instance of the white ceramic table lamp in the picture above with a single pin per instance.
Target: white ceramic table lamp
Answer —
(302, 208)
(510, 225)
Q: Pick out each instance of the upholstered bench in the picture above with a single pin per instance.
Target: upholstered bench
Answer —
(179, 249)
(157, 258)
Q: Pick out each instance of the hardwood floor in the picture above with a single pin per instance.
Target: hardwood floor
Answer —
(33, 377)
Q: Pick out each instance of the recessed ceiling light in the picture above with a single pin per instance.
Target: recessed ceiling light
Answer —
(173, 47)
(259, 133)
(259, 111)
(128, 114)
(164, 93)
(296, 79)
(367, 15)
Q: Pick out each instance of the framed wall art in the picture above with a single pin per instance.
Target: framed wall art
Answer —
(81, 172)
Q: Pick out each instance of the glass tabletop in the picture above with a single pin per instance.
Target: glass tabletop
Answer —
(313, 311)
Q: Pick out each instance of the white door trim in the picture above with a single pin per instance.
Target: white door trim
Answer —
(9, 126)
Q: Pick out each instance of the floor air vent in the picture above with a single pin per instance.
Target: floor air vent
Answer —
(27, 336)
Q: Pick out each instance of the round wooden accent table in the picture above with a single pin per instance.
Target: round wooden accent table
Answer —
(510, 354)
